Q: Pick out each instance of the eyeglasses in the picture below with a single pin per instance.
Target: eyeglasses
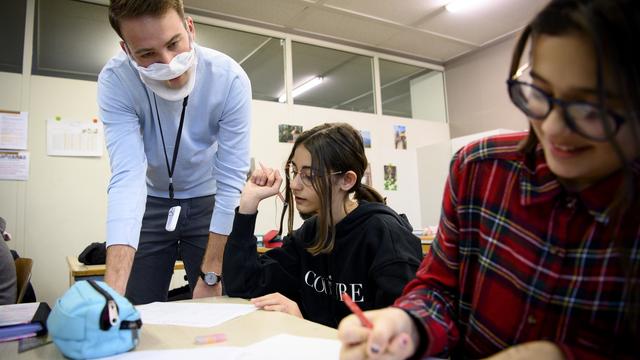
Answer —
(306, 174)
(582, 117)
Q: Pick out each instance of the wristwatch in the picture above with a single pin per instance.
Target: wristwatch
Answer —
(210, 278)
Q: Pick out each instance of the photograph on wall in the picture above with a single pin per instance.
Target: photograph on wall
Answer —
(390, 177)
(366, 138)
(400, 136)
(288, 133)
(366, 177)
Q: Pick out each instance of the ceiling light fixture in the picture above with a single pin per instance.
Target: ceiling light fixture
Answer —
(302, 88)
(463, 5)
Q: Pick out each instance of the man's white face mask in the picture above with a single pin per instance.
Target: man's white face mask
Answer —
(155, 75)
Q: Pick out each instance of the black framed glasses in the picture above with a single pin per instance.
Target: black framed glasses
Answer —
(587, 119)
(306, 174)
(582, 117)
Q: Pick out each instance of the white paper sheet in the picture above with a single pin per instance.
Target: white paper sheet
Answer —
(14, 165)
(207, 353)
(13, 130)
(74, 138)
(285, 346)
(17, 313)
(278, 347)
(191, 314)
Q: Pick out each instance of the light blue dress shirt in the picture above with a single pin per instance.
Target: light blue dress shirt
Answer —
(213, 156)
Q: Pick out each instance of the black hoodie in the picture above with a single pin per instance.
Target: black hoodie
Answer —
(374, 256)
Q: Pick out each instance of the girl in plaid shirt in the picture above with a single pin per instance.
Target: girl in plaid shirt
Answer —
(538, 250)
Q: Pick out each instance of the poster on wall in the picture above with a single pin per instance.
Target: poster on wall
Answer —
(13, 130)
(390, 177)
(67, 137)
(400, 136)
(14, 165)
(366, 138)
(366, 177)
(288, 133)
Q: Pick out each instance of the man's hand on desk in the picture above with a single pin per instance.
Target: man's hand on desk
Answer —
(119, 262)
(277, 302)
(203, 290)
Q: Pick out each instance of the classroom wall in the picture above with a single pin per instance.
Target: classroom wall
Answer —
(12, 192)
(268, 115)
(477, 96)
(433, 169)
(62, 207)
(435, 160)
(428, 97)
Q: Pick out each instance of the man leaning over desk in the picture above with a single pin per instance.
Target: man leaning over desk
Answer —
(177, 119)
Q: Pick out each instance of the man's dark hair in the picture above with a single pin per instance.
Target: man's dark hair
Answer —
(126, 9)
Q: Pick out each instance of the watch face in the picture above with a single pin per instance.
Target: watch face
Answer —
(210, 278)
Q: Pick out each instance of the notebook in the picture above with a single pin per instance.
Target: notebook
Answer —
(19, 321)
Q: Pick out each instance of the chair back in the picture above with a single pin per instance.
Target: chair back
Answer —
(23, 274)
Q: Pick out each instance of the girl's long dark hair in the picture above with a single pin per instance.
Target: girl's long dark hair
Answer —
(613, 27)
(335, 147)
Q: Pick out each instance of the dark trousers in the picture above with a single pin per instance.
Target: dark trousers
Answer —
(159, 249)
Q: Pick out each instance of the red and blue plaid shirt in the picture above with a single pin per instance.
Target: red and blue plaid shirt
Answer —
(518, 258)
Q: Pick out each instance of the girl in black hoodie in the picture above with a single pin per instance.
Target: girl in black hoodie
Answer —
(354, 243)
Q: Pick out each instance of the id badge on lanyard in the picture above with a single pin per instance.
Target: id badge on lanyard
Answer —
(174, 212)
(172, 218)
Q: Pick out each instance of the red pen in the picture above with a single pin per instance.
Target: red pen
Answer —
(356, 310)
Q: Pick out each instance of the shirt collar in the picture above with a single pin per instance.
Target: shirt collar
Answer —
(538, 184)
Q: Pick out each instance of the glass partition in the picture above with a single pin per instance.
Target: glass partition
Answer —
(72, 39)
(412, 91)
(331, 78)
(12, 19)
(261, 57)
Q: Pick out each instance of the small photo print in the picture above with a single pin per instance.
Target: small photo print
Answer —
(366, 138)
(366, 177)
(390, 178)
(288, 133)
(400, 136)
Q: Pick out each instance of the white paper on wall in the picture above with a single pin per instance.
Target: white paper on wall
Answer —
(14, 165)
(13, 130)
(74, 137)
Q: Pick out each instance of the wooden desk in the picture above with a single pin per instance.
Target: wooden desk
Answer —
(241, 331)
(78, 270)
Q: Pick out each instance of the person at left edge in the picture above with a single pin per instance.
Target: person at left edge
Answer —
(159, 81)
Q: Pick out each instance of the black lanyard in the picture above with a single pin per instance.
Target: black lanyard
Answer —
(171, 168)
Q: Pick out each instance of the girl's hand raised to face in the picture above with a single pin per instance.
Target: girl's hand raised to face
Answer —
(263, 183)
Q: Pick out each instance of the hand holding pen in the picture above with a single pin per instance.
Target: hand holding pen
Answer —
(384, 333)
(356, 310)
